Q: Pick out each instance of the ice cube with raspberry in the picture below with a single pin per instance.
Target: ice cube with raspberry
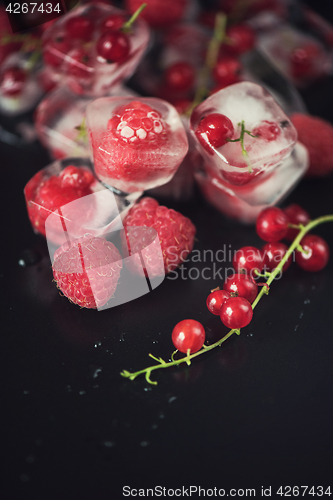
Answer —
(242, 132)
(54, 187)
(91, 50)
(136, 144)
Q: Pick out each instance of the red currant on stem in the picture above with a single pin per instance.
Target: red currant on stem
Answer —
(297, 215)
(241, 38)
(214, 130)
(248, 259)
(188, 336)
(227, 71)
(243, 285)
(272, 224)
(215, 300)
(315, 254)
(236, 313)
(114, 46)
(272, 254)
(180, 76)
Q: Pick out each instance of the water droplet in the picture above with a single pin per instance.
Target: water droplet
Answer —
(307, 301)
(82, 393)
(29, 257)
(31, 459)
(69, 389)
(295, 328)
(172, 399)
(154, 427)
(301, 315)
(154, 341)
(122, 337)
(313, 287)
(144, 443)
(108, 444)
(146, 389)
(26, 392)
(98, 344)
(95, 370)
(95, 386)
(161, 415)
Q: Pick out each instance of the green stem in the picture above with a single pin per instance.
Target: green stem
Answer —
(241, 140)
(264, 291)
(126, 27)
(211, 59)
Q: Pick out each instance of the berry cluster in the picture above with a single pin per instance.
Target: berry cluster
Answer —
(238, 298)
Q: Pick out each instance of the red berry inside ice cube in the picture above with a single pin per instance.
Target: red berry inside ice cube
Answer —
(214, 130)
(12, 81)
(266, 130)
(227, 71)
(80, 27)
(113, 22)
(113, 46)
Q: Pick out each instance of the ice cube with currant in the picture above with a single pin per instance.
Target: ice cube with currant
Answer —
(242, 132)
(245, 202)
(93, 49)
(60, 121)
(299, 55)
(137, 144)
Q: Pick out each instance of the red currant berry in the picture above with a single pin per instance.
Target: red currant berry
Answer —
(268, 131)
(113, 46)
(12, 81)
(248, 259)
(243, 285)
(80, 27)
(236, 313)
(297, 215)
(214, 130)
(113, 22)
(303, 59)
(272, 224)
(272, 254)
(241, 37)
(215, 300)
(180, 76)
(227, 71)
(188, 335)
(55, 51)
(79, 63)
(316, 253)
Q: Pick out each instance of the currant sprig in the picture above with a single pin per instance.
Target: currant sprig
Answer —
(241, 140)
(82, 135)
(270, 276)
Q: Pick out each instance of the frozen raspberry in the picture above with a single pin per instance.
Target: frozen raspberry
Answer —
(137, 122)
(175, 233)
(87, 271)
(159, 13)
(317, 135)
(45, 195)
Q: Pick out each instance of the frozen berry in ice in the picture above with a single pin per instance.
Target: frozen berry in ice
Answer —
(180, 76)
(214, 130)
(114, 46)
(80, 27)
(12, 81)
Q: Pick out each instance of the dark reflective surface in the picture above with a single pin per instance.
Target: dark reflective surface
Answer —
(257, 412)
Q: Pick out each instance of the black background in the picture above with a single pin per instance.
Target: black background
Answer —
(256, 412)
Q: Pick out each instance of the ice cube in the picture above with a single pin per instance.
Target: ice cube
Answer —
(250, 107)
(136, 144)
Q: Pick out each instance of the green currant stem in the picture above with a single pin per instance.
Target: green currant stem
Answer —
(211, 59)
(264, 291)
(241, 140)
(83, 133)
(126, 27)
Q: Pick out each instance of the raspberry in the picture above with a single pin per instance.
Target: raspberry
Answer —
(137, 122)
(175, 234)
(87, 271)
(317, 135)
(158, 13)
(45, 195)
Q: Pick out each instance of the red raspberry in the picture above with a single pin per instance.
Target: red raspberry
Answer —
(317, 135)
(44, 195)
(136, 123)
(175, 234)
(158, 13)
(87, 271)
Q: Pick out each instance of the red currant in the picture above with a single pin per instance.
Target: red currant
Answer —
(227, 71)
(297, 215)
(248, 258)
(55, 51)
(214, 130)
(79, 63)
(243, 285)
(188, 335)
(316, 253)
(241, 37)
(80, 27)
(180, 76)
(113, 46)
(272, 224)
(215, 300)
(236, 313)
(113, 22)
(12, 81)
(272, 254)
(268, 131)
(303, 60)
